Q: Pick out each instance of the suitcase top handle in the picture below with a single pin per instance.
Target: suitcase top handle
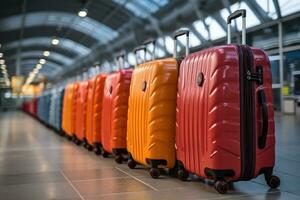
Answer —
(175, 36)
(236, 14)
(144, 48)
(121, 56)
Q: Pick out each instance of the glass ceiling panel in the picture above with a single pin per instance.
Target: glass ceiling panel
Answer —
(55, 56)
(268, 6)
(200, 27)
(85, 25)
(169, 44)
(289, 6)
(251, 19)
(214, 28)
(46, 41)
(142, 8)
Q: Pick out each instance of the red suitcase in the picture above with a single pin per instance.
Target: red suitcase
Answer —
(114, 113)
(225, 119)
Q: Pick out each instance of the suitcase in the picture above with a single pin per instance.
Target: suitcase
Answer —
(151, 115)
(225, 119)
(58, 110)
(68, 109)
(80, 125)
(114, 113)
(94, 108)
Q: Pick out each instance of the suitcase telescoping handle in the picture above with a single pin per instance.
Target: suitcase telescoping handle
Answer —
(153, 42)
(175, 36)
(262, 139)
(121, 56)
(236, 14)
(137, 49)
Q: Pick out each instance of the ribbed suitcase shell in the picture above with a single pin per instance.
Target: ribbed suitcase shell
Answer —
(94, 108)
(115, 109)
(67, 118)
(151, 113)
(80, 125)
(208, 117)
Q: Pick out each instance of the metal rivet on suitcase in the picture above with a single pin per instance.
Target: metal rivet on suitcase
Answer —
(200, 79)
(144, 86)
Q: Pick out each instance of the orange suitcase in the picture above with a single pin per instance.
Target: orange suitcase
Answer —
(152, 115)
(114, 114)
(80, 124)
(67, 110)
(94, 109)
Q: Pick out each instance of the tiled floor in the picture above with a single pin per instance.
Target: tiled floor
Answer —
(37, 164)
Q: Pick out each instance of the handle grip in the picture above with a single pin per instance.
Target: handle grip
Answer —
(175, 35)
(236, 14)
(264, 110)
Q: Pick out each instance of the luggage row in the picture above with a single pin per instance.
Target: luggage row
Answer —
(209, 113)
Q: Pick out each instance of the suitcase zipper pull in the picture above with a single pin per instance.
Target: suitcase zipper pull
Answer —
(257, 77)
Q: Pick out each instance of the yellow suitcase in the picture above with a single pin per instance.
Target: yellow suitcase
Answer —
(152, 115)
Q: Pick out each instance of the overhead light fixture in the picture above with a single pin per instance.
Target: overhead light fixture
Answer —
(46, 53)
(55, 41)
(2, 62)
(38, 66)
(42, 61)
(1, 55)
(3, 66)
(82, 12)
(35, 71)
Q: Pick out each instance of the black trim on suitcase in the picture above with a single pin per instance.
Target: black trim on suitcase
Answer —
(247, 117)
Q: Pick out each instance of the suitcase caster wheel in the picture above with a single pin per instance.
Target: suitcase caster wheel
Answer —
(273, 182)
(69, 138)
(221, 186)
(90, 148)
(105, 154)
(154, 173)
(131, 164)
(78, 142)
(183, 174)
(98, 152)
(119, 159)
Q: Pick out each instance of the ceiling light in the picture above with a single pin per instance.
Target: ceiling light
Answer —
(38, 66)
(1, 55)
(46, 53)
(3, 66)
(55, 41)
(35, 71)
(2, 62)
(42, 61)
(83, 12)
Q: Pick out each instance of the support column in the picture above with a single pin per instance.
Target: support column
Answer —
(280, 46)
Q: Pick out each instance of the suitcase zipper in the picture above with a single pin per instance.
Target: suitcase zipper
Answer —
(247, 130)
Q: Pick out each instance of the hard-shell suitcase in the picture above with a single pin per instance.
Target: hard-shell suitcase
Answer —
(151, 115)
(225, 119)
(80, 125)
(68, 104)
(94, 108)
(114, 113)
(58, 110)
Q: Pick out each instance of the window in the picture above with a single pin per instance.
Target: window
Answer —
(289, 6)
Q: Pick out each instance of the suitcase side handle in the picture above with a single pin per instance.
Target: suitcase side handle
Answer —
(175, 35)
(139, 48)
(234, 15)
(264, 110)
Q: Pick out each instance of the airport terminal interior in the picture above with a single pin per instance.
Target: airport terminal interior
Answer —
(149, 99)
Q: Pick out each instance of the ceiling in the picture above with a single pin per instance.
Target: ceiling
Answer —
(28, 26)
